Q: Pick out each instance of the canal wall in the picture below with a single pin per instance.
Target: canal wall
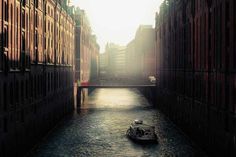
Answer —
(150, 94)
(81, 96)
(203, 124)
(31, 104)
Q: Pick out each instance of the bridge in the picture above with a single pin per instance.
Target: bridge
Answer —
(117, 86)
(145, 86)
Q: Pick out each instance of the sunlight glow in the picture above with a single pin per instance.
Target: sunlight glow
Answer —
(117, 20)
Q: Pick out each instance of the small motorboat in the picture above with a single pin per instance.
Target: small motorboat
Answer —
(141, 132)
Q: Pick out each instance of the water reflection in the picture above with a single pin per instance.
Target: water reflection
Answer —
(99, 128)
(115, 99)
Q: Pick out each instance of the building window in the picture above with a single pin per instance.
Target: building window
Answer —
(23, 18)
(5, 124)
(1, 99)
(31, 86)
(48, 46)
(17, 92)
(48, 26)
(38, 85)
(26, 36)
(16, 42)
(5, 97)
(1, 54)
(23, 41)
(27, 89)
(22, 116)
(36, 39)
(11, 39)
(35, 87)
(234, 21)
(23, 3)
(5, 34)
(48, 82)
(11, 95)
(36, 3)
(227, 18)
(45, 42)
(5, 7)
(22, 92)
(52, 12)
(36, 19)
(48, 10)
(52, 82)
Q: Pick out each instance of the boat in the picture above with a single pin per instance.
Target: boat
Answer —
(140, 132)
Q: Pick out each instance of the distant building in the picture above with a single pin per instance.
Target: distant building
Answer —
(103, 64)
(116, 55)
(131, 60)
(140, 53)
(94, 68)
(120, 62)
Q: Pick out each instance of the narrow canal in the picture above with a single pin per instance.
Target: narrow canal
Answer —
(98, 130)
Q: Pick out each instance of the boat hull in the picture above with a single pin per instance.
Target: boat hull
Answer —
(141, 139)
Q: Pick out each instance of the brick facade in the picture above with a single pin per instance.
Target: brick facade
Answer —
(140, 54)
(86, 48)
(36, 59)
(86, 52)
(196, 51)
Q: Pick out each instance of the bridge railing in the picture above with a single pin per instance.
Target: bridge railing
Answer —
(117, 83)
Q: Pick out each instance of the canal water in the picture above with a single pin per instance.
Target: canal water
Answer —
(98, 130)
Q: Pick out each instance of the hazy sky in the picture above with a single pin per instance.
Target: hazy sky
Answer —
(117, 20)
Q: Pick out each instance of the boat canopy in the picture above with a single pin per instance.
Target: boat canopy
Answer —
(140, 125)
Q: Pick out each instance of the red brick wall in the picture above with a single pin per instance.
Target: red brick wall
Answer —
(197, 60)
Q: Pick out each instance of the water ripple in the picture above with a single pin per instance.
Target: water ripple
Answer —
(99, 128)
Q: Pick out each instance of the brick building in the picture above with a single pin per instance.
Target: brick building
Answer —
(131, 60)
(195, 43)
(36, 58)
(94, 69)
(140, 53)
(86, 51)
